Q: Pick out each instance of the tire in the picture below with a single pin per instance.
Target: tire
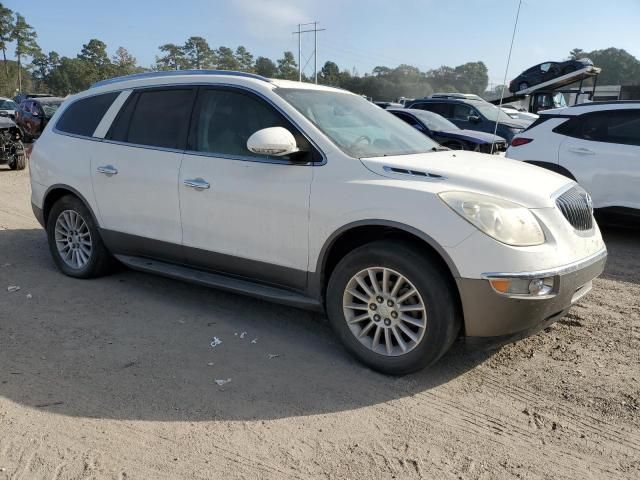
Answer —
(435, 292)
(523, 86)
(87, 261)
(19, 159)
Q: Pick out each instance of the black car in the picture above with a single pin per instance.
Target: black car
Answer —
(448, 134)
(475, 115)
(546, 71)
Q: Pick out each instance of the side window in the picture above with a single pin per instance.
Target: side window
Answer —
(83, 116)
(158, 118)
(439, 108)
(224, 119)
(463, 112)
(614, 126)
(545, 67)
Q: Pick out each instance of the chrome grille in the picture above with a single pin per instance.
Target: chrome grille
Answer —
(576, 206)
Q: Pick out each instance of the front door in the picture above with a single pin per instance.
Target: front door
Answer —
(135, 173)
(243, 213)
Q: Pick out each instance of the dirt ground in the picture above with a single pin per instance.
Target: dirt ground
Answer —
(115, 378)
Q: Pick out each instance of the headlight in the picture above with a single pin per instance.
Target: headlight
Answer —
(505, 221)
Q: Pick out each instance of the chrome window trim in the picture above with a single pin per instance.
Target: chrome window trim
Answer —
(206, 154)
(562, 270)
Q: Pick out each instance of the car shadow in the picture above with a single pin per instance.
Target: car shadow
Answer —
(134, 346)
(623, 245)
(139, 347)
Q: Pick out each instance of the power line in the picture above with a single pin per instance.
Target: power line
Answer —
(315, 31)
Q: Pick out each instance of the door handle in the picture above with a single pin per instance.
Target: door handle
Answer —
(582, 151)
(197, 183)
(108, 170)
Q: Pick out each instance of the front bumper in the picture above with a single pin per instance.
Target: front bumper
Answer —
(491, 317)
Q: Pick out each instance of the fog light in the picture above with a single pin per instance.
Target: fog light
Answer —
(541, 286)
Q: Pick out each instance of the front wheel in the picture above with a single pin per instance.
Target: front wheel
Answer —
(19, 161)
(393, 307)
(74, 240)
(523, 86)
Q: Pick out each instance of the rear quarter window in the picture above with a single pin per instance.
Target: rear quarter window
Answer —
(83, 116)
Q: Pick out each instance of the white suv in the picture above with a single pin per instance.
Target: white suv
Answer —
(596, 144)
(316, 198)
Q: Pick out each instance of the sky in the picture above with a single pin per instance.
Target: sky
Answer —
(360, 34)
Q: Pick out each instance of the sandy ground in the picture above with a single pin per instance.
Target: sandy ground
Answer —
(115, 378)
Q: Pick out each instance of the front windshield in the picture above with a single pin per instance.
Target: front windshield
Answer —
(50, 108)
(358, 127)
(491, 112)
(433, 121)
(7, 105)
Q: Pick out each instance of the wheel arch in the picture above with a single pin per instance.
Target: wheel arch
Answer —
(56, 192)
(359, 233)
(554, 167)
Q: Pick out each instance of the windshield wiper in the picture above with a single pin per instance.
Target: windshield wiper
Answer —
(440, 148)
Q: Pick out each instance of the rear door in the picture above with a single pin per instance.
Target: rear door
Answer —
(135, 172)
(603, 153)
(243, 213)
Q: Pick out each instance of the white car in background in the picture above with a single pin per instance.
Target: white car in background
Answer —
(597, 144)
(520, 114)
(313, 197)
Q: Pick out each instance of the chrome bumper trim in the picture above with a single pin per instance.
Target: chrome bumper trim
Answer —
(563, 270)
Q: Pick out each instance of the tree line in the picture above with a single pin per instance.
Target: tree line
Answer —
(35, 70)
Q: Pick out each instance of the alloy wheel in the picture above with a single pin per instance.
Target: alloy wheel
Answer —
(73, 239)
(384, 311)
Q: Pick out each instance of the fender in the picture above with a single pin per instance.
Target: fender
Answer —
(315, 281)
(60, 186)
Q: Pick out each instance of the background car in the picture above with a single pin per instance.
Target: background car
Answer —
(519, 113)
(8, 107)
(33, 114)
(597, 144)
(546, 71)
(12, 152)
(448, 134)
(387, 105)
(473, 115)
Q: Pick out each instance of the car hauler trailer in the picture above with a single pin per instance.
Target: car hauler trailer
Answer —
(542, 96)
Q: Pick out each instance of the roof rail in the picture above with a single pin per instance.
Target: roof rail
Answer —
(175, 73)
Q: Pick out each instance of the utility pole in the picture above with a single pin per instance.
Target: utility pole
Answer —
(315, 31)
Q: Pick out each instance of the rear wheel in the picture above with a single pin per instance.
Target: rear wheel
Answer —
(74, 240)
(393, 307)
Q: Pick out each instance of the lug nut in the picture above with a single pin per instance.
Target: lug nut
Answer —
(376, 318)
(373, 306)
(390, 303)
(394, 314)
(387, 322)
(379, 299)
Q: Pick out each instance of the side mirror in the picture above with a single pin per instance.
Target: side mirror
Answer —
(473, 119)
(276, 141)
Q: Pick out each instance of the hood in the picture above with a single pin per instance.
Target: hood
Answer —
(470, 135)
(512, 180)
(515, 123)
